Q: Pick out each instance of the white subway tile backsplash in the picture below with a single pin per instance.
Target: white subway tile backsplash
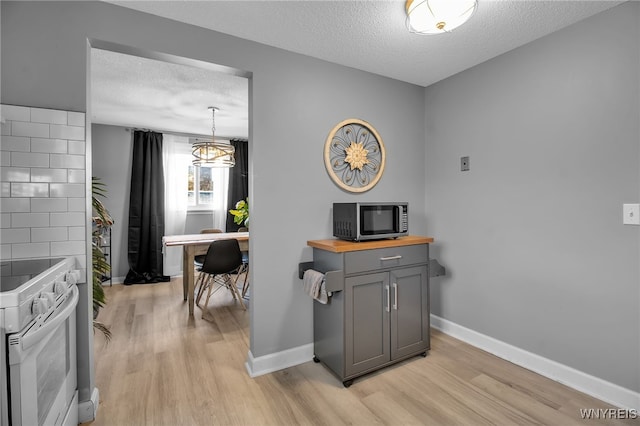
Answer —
(75, 176)
(15, 205)
(52, 116)
(14, 112)
(67, 248)
(66, 189)
(5, 128)
(5, 251)
(48, 205)
(33, 130)
(43, 198)
(67, 161)
(29, 220)
(76, 118)
(76, 233)
(28, 159)
(5, 159)
(30, 250)
(5, 220)
(58, 146)
(48, 175)
(15, 235)
(76, 204)
(76, 147)
(19, 189)
(15, 143)
(15, 174)
(39, 235)
(67, 219)
(67, 132)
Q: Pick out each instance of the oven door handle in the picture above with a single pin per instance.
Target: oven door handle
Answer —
(31, 337)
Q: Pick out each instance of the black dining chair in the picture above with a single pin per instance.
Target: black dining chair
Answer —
(199, 259)
(222, 260)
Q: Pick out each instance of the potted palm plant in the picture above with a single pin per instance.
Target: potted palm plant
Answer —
(102, 221)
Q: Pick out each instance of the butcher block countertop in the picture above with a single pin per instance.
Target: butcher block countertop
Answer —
(341, 246)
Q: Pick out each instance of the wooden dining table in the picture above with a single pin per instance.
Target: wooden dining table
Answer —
(196, 244)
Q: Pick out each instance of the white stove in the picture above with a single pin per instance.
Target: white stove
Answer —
(38, 299)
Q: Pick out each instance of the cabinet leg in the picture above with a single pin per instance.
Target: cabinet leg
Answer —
(347, 383)
(424, 354)
(316, 359)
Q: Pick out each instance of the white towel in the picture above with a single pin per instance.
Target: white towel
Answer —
(313, 285)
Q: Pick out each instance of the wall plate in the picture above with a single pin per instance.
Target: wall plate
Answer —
(631, 214)
(464, 164)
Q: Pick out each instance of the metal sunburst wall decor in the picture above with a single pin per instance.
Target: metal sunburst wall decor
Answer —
(354, 155)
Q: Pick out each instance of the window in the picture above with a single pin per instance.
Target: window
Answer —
(206, 187)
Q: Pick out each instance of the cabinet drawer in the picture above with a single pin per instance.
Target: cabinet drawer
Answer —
(391, 257)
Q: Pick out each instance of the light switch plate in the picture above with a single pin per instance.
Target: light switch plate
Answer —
(464, 164)
(631, 214)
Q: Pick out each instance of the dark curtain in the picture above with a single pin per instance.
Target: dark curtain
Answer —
(146, 210)
(238, 180)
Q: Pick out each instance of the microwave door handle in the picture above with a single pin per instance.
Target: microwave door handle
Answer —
(397, 215)
(30, 337)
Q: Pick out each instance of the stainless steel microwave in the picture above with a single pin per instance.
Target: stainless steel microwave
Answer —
(370, 221)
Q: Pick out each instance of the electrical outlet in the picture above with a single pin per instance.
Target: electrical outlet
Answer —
(631, 214)
(464, 164)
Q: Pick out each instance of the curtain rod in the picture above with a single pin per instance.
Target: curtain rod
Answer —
(189, 135)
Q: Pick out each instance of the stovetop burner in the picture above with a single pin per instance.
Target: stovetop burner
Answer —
(14, 273)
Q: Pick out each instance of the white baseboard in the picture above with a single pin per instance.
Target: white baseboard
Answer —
(583, 382)
(120, 280)
(279, 360)
(88, 410)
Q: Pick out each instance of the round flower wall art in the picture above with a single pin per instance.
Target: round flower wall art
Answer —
(354, 155)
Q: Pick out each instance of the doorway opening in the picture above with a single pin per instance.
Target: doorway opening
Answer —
(132, 89)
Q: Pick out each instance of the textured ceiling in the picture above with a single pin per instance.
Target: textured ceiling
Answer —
(371, 35)
(138, 92)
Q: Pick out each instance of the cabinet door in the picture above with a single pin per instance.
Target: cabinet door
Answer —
(409, 311)
(367, 343)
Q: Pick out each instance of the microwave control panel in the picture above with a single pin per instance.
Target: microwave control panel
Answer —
(404, 219)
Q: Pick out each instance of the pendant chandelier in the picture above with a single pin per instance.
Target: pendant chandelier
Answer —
(438, 16)
(211, 153)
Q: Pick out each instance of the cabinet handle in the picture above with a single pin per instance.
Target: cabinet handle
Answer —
(386, 287)
(395, 296)
(390, 258)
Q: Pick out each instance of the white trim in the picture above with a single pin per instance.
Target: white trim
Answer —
(279, 360)
(88, 410)
(120, 280)
(114, 280)
(583, 382)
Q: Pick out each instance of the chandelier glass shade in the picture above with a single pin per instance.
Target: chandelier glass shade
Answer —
(211, 153)
(438, 16)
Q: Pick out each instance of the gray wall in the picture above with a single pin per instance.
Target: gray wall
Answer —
(111, 161)
(296, 101)
(532, 236)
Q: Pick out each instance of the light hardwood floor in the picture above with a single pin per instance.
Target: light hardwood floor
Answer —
(164, 368)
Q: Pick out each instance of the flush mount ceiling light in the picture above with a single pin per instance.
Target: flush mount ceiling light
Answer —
(211, 153)
(438, 16)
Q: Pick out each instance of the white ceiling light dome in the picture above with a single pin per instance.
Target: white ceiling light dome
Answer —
(438, 16)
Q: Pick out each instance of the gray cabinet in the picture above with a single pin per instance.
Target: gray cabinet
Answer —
(379, 309)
